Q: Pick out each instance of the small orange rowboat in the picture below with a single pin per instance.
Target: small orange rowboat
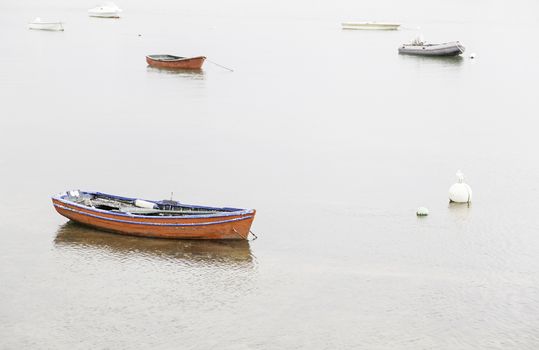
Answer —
(175, 62)
(158, 219)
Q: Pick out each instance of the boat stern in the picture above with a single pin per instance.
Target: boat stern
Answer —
(460, 47)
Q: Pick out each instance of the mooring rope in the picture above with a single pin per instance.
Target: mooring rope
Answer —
(247, 237)
(217, 64)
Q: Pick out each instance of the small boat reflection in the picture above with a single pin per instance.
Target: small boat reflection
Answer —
(447, 61)
(195, 74)
(77, 236)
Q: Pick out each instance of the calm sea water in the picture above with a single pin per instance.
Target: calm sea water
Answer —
(331, 135)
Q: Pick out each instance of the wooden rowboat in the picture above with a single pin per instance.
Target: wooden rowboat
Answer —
(175, 62)
(158, 219)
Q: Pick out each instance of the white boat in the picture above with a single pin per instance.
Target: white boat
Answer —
(454, 48)
(370, 26)
(38, 24)
(109, 10)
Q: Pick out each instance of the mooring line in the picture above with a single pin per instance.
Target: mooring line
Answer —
(217, 64)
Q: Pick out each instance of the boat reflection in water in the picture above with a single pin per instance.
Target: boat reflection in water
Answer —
(194, 74)
(443, 61)
(78, 237)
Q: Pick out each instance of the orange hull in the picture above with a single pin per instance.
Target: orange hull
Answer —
(180, 63)
(228, 226)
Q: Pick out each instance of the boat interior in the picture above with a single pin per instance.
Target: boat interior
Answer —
(165, 57)
(135, 206)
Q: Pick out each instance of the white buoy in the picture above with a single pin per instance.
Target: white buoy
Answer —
(460, 192)
(422, 211)
(472, 56)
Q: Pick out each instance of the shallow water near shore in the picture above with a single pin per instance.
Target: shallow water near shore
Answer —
(332, 136)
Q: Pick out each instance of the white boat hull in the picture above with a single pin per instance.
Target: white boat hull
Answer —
(370, 26)
(111, 14)
(446, 49)
(105, 11)
(53, 26)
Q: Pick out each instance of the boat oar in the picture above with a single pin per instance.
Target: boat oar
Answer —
(217, 64)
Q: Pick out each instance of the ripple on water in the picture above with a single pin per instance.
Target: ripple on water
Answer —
(232, 254)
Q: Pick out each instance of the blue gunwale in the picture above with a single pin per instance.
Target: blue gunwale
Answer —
(155, 223)
(224, 211)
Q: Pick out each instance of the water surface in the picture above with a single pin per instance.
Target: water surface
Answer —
(332, 136)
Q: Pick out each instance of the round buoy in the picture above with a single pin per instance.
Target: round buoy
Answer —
(422, 211)
(460, 192)
(472, 56)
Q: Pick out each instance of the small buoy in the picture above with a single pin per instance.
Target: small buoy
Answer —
(460, 192)
(472, 56)
(422, 211)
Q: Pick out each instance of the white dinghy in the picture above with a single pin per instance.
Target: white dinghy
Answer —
(38, 24)
(420, 48)
(109, 10)
(370, 26)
